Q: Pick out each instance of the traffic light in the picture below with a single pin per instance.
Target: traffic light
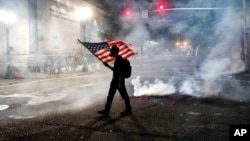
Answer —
(127, 12)
(161, 6)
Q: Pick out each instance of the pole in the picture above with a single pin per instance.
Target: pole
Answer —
(84, 33)
(141, 51)
(7, 44)
(244, 35)
(83, 51)
(84, 37)
(192, 8)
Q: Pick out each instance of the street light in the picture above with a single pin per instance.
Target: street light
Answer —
(83, 15)
(7, 19)
(177, 44)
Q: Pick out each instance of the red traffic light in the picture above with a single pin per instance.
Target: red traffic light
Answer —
(161, 6)
(127, 12)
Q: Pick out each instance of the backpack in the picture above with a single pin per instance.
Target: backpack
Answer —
(126, 69)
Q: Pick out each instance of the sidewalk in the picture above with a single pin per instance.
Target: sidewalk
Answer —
(244, 76)
(245, 73)
(31, 76)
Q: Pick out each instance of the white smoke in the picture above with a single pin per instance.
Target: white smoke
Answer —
(223, 59)
(158, 87)
(190, 87)
(229, 47)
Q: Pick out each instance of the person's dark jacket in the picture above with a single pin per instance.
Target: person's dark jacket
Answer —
(118, 65)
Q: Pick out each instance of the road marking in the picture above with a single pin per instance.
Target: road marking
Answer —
(20, 117)
(4, 107)
(194, 113)
(87, 85)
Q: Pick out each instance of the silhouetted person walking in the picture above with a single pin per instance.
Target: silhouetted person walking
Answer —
(118, 82)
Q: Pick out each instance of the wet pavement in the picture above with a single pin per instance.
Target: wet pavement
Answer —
(172, 117)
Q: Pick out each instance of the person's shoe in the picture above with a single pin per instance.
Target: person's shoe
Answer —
(103, 112)
(126, 113)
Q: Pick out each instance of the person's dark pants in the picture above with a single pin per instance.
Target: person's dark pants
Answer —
(123, 92)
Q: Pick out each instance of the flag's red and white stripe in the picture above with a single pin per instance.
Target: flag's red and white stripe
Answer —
(124, 50)
(103, 55)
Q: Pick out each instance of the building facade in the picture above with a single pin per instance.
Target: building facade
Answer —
(45, 27)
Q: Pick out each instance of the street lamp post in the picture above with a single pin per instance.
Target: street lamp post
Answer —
(83, 15)
(83, 50)
(7, 42)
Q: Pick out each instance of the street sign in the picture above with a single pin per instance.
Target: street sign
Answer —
(144, 14)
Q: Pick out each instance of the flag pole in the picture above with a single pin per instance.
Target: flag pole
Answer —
(89, 50)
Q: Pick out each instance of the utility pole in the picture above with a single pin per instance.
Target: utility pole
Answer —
(245, 47)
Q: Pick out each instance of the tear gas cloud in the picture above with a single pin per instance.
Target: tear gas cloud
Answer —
(156, 88)
(223, 58)
(84, 96)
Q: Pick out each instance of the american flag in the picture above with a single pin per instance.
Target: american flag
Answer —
(101, 50)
